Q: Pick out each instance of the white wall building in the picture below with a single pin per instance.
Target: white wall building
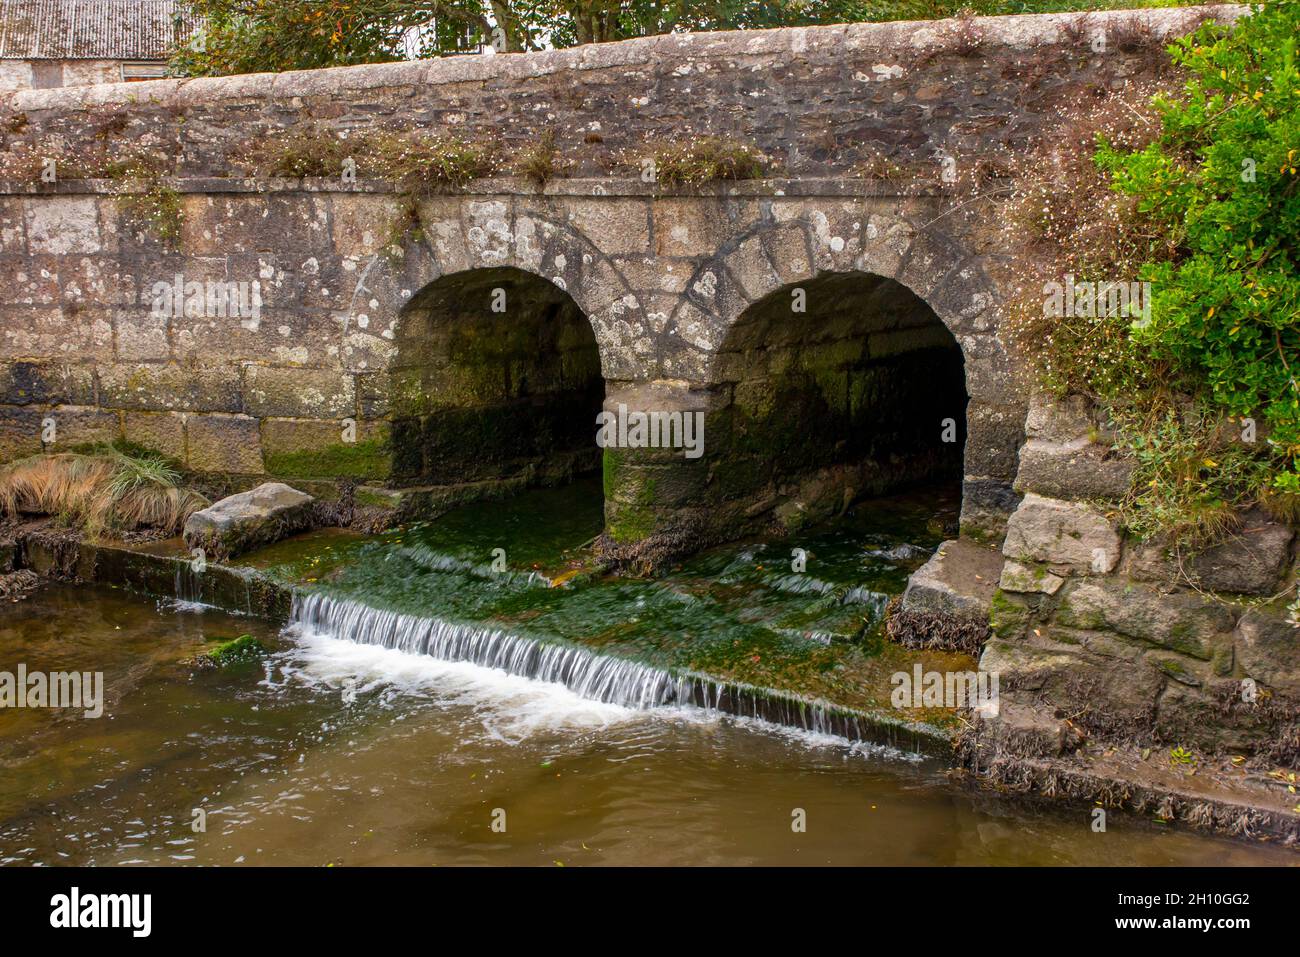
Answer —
(49, 43)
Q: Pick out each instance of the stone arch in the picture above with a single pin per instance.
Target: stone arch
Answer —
(782, 253)
(494, 381)
(453, 234)
(457, 234)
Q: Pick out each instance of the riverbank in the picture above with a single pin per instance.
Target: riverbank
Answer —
(817, 689)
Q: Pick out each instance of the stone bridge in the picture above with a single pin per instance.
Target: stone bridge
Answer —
(837, 323)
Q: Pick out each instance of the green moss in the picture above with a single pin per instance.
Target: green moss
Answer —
(632, 523)
(1176, 670)
(1063, 637)
(235, 651)
(1222, 661)
(1073, 615)
(374, 499)
(368, 459)
(145, 193)
(1008, 617)
(612, 464)
(635, 520)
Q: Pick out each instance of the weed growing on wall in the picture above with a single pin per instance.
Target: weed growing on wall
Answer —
(50, 160)
(417, 161)
(145, 192)
(541, 161)
(700, 160)
(1195, 192)
(307, 149)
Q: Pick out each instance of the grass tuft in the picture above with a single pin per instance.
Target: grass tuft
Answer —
(541, 162)
(100, 492)
(707, 159)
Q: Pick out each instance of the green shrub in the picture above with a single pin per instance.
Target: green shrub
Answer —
(1195, 192)
(1222, 179)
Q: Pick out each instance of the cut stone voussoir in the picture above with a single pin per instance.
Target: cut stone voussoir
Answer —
(248, 520)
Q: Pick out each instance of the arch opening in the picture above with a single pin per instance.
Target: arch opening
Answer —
(833, 390)
(497, 378)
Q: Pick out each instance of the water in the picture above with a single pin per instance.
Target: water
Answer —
(424, 691)
(741, 614)
(337, 752)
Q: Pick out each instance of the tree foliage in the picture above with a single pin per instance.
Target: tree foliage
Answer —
(1221, 183)
(242, 36)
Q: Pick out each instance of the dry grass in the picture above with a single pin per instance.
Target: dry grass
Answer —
(418, 161)
(306, 149)
(541, 162)
(879, 168)
(695, 162)
(423, 163)
(101, 492)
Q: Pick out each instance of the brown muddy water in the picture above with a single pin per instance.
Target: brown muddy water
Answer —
(331, 752)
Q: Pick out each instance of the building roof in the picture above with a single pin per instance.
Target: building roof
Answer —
(88, 29)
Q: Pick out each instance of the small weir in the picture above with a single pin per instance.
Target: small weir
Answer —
(591, 675)
(291, 772)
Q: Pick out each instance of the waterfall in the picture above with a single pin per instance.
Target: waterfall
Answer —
(859, 595)
(598, 677)
(187, 589)
(432, 560)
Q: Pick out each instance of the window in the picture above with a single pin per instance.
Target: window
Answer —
(132, 72)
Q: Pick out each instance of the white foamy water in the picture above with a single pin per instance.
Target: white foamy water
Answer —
(513, 708)
(510, 707)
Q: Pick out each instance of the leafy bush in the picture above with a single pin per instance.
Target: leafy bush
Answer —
(1196, 193)
(1222, 179)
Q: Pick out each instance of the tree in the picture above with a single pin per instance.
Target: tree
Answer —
(244, 36)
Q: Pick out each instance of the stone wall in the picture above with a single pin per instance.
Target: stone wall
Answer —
(818, 100)
(1147, 641)
(663, 276)
(34, 74)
